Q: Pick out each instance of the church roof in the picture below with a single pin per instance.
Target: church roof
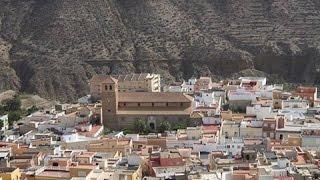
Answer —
(110, 79)
(103, 79)
(121, 78)
(155, 97)
(132, 77)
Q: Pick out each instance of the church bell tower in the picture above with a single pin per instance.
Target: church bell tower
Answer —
(109, 98)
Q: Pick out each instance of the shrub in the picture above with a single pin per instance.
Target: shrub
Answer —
(140, 126)
(32, 110)
(164, 126)
(13, 116)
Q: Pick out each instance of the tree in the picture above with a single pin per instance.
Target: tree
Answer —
(1, 124)
(32, 109)
(127, 131)
(180, 126)
(140, 126)
(106, 131)
(12, 117)
(164, 126)
(12, 104)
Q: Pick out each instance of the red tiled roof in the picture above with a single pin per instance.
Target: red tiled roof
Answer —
(307, 89)
(103, 78)
(93, 131)
(210, 128)
(153, 97)
(252, 141)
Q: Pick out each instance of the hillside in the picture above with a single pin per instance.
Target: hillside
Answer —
(52, 47)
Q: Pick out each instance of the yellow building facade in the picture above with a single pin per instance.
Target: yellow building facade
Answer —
(10, 173)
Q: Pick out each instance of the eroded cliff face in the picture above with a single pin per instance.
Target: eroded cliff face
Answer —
(52, 47)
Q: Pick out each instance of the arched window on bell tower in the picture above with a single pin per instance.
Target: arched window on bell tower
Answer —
(108, 87)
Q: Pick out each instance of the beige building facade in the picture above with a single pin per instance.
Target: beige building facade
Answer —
(144, 82)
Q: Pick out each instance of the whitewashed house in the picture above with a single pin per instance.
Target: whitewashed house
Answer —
(232, 146)
(175, 87)
(260, 111)
(295, 103)
(205, 98)
(207, 120)
(5, 122)
(189, 86)
(194, 132)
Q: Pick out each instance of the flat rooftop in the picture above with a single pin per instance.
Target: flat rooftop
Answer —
(52, 173)
(6, 169)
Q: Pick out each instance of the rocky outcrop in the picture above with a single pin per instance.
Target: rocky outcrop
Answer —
(52, 47)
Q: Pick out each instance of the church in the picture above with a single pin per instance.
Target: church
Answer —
(120, 110)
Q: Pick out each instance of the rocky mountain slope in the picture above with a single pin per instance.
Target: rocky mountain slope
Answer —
(52, 47)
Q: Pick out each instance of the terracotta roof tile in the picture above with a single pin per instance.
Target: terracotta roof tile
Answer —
(103, 78)
(153, 97)
(132, 77)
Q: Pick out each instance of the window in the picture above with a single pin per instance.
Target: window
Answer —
(106, 87)
(181, 104)
(167, 104)
(110, 87)
(55, 164)
(281, 136)
(124, 104)
(138, 104)
(152, 104)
